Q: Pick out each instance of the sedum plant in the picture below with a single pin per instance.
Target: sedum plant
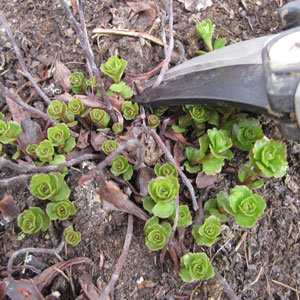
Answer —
(195, 266)
(206, 30)
(60, 210)
(269, 157)
(159, 111)
(45, 151)
(122, 89)
(60, 136)
(76, 106)
(32, 220)
(114, 68)
(162, 191)
(246, 133)
(100, 117)
(117, 128)
(109, 146)
(50, 186)
(156, 234)
(166, 169)
(153, 121)
(121, 166)
(78, 84)
(130, 110)
(207, 233)
(72, 237)
(245, 206)
(58, 110)
(184, 216)
(9, 131)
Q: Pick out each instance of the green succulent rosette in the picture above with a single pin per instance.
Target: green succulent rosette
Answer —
(60, 210)
(195, 266)
(166, 169)
(220, 142)
(246, 133)
(117, 128)
(32, 220)
(159, 111)
(109, 146)
(30, 149)
(163, 191)
(57, 109)
(114, 68)
(206, 30)
(76, 106)
(269, 157)
(207, 233)
(199, 113)
(130, 110)
(121, 166)
(184, 216)
(59, 134)
(100, 117)
(72, 237)
(123, 89)
(245, 206)
(45, 151)
(50, 186)
(153, 121)
(78, 85)
(9, 131)
(156, 234)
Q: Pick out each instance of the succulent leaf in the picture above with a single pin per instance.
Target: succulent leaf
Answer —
(153, 121)
(45, 151)
(184, 216)
(109, 146)
(57, 109)
(166, 169)
(76, 106)
(72, 237)
(60, 210)
(114, 68)
(100, 117)
(130, 110)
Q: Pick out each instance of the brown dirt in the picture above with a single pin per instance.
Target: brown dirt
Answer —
(254, 260)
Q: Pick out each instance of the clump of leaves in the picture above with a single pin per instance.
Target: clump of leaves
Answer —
(109, 146)
(76, 106)
(72, 237)
(100, 117)
(122, 89)
(156, 234)
(121, 166)
(207, 233)
(153, 121)
(60, 210)
(184, 216)
(215, 207)
(130, 110)
(159, 111)
(9, 131)
(77, 81)
(32, 220)
(60, 136)
(246, 133)
(163, 191)
(269, 157)
(50, 186)
(44, 151)
(195, 266)
(58, 110)
(206, 30)
(117, 128)
(166, 169)
(114, 68)
(218, 142)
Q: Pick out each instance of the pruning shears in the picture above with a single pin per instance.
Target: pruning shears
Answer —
(261, 75)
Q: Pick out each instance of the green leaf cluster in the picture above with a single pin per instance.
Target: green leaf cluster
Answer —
(207, 233)
(72, 237)
(58, 110)
(60, 210)
(159, 111)
(121, 166)
(79, 84)
(206, 30)
(109, 146)
(100, 117)
(9, 131)
(163, 191)
(76, 106)
(184, 216)
(114, 68)
(117, 128)
(156, 234)
(130, 110)
(122, 89)
(195, 266)
(166, 169)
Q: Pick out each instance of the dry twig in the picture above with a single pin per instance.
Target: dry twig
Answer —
(121, 260)
(20, 58)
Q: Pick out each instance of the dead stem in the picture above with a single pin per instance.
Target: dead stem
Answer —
(45, 169)
(20, 58)
(32, 250)
(227, 288)
(84, 42)
(15, 180)
(121, 260)
(168, 48)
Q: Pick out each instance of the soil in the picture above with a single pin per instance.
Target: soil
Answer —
(262, 262)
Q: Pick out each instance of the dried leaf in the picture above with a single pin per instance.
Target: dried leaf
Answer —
(145, 175)
(169, 133)
(18, 113)
(97, 140)
(8, 207)
(3, 290)
(82, 141)
(88, 287)
(88, 101)
(203, 180)
(114, 199)
(62, 75)
(179, 153)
